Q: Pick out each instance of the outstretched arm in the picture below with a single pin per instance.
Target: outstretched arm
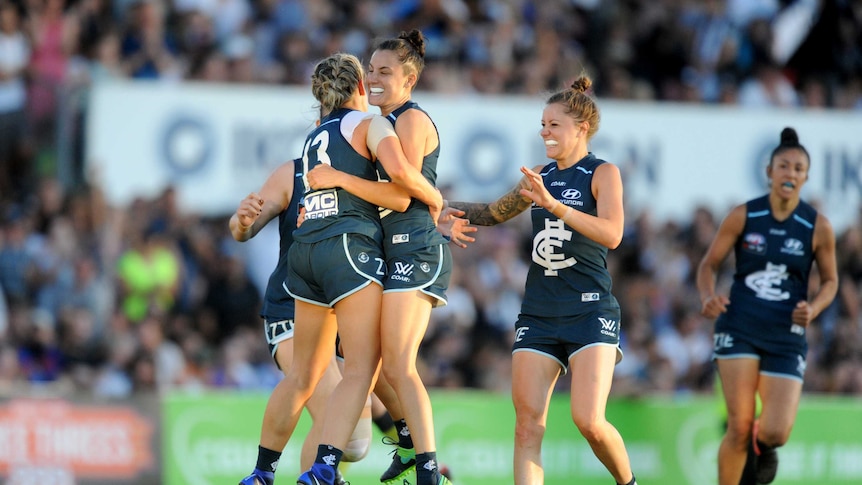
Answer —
(383, 194)
(501, 210)
(257, 209)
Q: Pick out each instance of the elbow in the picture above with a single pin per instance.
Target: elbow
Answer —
(399, 175)
(402, 205)
(614, 240)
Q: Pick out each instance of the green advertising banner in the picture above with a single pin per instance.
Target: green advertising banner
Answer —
(211, 439)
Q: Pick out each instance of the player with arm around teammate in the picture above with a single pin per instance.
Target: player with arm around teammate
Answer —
(336, 261)
(278, 198)
(570, 320)
(759, 339)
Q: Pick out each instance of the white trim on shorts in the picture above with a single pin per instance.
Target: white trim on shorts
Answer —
(539, 352)
(306, 300)
(281, 338)
(743, 355)
(792, 377)
(594, 344)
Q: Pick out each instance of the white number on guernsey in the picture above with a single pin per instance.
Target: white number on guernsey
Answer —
(320, 143)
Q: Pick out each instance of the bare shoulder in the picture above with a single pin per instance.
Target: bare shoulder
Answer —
(608, 168)
(735, 219)
(823, 230)
(414, 118)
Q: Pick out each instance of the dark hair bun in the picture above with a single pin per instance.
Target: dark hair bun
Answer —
(416, 40)
(582, 84)
(789, 137)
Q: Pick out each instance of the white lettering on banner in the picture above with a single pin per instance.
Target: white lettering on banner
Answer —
(669, 158)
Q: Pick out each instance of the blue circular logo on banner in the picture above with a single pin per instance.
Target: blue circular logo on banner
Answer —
(486, 155)
(187, 145)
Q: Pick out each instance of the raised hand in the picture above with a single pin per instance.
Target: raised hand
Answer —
(249, 210)
(537, 191)
(451, 225)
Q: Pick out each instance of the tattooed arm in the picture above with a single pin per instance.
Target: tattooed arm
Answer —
(501, 210)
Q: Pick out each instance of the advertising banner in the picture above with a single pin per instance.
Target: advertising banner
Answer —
(64, 443)
(212, 439)
(216, 144)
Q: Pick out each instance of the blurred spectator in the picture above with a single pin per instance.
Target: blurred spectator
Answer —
(18, 258)
(14, 61)
(149, 273)
(148, 49)
(54, 33)
(233, 299)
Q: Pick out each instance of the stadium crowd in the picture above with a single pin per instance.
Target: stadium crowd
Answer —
(116, 300)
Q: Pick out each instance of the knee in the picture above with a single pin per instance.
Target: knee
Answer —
(529, 424)
(738, 433)
(590, 428)
(359, 371)
(302, 383)
(773, 437)
(396, 374)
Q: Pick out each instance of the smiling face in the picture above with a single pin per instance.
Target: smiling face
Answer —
(389, 84)
(788, 171)
(564, 137)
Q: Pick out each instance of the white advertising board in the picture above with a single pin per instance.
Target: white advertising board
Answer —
(217, 143)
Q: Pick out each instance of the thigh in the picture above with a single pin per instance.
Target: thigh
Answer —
(533, 378)
(739, 379)
(313, 339)
(359, 327)
(405, 317)
(779, 397)
(592, 372)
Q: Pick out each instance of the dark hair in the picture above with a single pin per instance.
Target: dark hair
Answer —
(410, 49)
(789, 141)
(580, 105)
(335, 79)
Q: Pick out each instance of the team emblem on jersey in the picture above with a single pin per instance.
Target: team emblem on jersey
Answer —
(766, 283)
(754, 243)
(793, 247)
(545, 244)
